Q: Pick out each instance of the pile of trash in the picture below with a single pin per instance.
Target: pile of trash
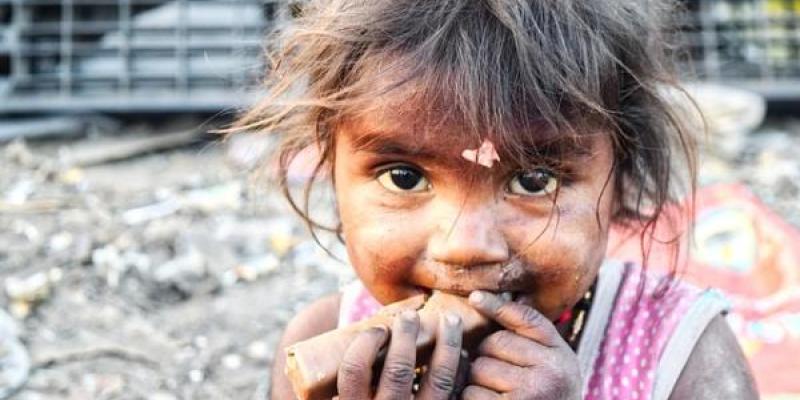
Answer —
(147, 264)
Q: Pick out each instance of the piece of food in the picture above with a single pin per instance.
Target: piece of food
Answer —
(312, 365)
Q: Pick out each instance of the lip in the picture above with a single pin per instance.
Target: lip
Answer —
(509, 294)
(494, 278)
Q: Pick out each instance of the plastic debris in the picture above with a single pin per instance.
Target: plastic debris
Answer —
(25, 293)
(14, 360)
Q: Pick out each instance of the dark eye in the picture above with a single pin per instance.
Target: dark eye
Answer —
(403, 179)
(538, 182)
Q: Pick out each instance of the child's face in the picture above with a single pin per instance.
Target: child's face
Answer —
(417, 216)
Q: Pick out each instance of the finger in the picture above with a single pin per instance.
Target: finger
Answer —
(511, 347)
(495, 374)
(439, 382)
(355, 373)
(398, 370)
(519, 318)
(462, 376)
(479, 393)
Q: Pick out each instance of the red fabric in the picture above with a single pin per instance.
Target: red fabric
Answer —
(753, 256)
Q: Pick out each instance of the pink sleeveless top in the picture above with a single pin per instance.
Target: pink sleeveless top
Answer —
(634, 344)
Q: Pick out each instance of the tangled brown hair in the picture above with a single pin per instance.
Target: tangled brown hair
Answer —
(503, 68)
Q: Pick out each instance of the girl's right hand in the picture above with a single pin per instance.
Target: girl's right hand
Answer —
(354, 379)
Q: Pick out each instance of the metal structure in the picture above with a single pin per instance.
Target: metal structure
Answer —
(130, 55)
(751, 44)
(191, 55)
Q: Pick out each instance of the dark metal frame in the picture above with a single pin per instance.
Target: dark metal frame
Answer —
(751, 44)
(109, 55)
(131, 55)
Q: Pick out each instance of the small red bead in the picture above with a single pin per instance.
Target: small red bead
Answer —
(565, 316)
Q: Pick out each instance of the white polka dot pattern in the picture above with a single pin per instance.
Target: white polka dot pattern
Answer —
(636, 336)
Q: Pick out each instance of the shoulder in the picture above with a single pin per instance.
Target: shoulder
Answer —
(671, 340)
(716, 368)
(319, 317)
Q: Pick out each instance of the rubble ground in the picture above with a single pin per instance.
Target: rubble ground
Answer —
(161, 276)
(170, 275)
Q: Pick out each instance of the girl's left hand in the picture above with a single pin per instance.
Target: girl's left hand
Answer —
(527, 360)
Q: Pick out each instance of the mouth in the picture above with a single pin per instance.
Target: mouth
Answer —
(506, 295)
(510, 280)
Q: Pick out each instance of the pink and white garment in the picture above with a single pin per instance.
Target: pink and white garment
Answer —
(634, 345)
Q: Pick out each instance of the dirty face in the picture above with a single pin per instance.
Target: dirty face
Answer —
(417, 215)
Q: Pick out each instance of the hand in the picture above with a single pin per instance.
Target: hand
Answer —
(527, 360)
(354, 380)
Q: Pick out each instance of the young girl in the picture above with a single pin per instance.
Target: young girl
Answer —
(483, 148)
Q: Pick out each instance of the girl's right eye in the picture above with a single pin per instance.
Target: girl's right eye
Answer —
(403, 180)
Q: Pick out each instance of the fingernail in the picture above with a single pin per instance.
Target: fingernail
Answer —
(452, 329)
(476, 297)
(380, 330)
(452, 319)
(506, 296)
(408, 315)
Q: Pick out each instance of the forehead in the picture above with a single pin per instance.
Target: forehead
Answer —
(416, 115)
(395, 92)
(407, 123)
(423, 108)
(401, 126)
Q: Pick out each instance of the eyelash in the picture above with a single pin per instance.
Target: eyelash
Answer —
(385, 167)
(563, 178)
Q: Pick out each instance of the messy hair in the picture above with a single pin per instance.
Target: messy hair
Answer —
(503, 68)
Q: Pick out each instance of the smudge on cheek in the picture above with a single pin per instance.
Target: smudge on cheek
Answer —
(558, 274)
(556, 290)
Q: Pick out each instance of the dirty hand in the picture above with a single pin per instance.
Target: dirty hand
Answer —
(355, 380)
(527, 360)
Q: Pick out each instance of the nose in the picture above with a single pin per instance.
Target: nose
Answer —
(468, 235)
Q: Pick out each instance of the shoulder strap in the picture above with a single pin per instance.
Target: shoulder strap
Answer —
(679, 347)
(608, 282)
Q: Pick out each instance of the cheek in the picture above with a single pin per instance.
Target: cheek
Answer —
(374, 246)
(563, 259)
(383, 244)
(383, 249)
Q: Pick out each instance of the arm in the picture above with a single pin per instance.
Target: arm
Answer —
(717, 368)
(319, 317)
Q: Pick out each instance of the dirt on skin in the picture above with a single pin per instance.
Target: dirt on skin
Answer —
(171, 275)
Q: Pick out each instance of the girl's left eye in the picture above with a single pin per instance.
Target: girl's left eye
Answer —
(403, 180)
(538, 182)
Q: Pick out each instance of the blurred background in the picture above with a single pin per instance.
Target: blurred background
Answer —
(142, 257)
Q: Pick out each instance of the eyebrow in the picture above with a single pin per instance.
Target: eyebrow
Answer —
(387, 144)
(381, 144)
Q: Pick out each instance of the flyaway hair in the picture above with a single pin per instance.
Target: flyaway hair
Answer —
(506, 70)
